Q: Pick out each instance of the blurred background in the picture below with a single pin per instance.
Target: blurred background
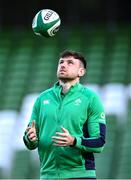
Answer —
(101, 30)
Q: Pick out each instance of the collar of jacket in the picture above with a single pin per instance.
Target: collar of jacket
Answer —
(73, 88)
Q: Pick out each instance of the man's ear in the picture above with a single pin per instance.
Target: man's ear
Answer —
(81, 72)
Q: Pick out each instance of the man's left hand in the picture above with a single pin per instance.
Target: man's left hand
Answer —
(63, 139)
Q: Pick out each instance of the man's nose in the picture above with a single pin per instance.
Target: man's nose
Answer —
(63, 65)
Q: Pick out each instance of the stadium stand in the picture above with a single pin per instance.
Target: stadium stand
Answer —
(7, 126)
(106, 159)
(27, 67)
(124, 171)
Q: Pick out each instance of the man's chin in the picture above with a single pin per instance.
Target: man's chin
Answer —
(63, 78)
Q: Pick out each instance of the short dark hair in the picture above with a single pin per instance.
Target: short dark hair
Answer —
(75, 54)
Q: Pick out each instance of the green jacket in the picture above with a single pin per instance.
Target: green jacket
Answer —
(81, 112)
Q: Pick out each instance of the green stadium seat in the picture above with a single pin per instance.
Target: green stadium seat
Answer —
(95, 66)
(21, 165)
(1, 173)
(117, 71)
(105, 160)
(124, 168)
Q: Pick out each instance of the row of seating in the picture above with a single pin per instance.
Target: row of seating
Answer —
(26, 69)
(124, 161)
(28, 65)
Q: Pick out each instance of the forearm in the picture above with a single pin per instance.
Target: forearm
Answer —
(95, 145)
(92, 142)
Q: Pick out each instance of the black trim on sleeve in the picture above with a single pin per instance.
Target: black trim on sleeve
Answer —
(98, 141)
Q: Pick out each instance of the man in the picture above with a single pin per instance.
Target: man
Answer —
(67, 124)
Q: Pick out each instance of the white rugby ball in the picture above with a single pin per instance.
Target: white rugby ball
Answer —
(46, 23)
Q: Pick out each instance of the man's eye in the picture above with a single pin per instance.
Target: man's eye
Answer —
(60, 62)
(70, 62)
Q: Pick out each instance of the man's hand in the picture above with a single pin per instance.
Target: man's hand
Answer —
(31, 132)
(63, 139)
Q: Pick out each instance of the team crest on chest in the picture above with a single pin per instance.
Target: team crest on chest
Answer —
(78, 102)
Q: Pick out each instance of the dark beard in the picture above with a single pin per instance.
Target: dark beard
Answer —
(65, 79)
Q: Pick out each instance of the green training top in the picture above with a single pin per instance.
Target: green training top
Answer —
(81, 112)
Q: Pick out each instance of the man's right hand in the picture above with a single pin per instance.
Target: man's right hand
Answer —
(31, 132)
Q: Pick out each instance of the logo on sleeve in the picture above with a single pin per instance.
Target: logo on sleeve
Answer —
(102, 115)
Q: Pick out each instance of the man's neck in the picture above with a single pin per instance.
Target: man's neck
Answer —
(66, 85)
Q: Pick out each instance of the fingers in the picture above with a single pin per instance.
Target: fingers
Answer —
(61, 134)
(60, 143)
(33, 124)
(62, 139)
(32, 136)
(30, 127)
(64, 130)
(55, 138)
(31, 132)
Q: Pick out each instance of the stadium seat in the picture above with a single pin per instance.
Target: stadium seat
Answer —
(113, 95)
(7, 124)
(95, 65)
(21, 165)
(118, 68)
(105, 160)
(124, 168)
(42, 72)
(24, 161)
(95, 87)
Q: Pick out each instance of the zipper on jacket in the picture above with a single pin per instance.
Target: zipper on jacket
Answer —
(57, 149)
